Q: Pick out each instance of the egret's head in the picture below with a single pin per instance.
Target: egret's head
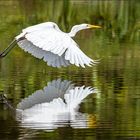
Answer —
(83, 26)
(88, 26)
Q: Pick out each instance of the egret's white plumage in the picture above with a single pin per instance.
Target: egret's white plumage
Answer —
(54, 89)
(46, 41)
(58, 102)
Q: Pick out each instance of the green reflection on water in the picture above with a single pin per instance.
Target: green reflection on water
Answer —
(117, 77)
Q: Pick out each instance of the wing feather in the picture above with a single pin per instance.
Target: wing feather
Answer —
(53, 90)
(47, 56)
(75, 96)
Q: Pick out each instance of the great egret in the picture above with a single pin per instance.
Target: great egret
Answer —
(46, 41)
(54, 105)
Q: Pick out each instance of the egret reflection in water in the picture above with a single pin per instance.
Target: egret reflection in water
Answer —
(56, 105)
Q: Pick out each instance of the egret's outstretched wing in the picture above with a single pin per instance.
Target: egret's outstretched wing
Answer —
(49, 57)
(54, 89)
(59, 44)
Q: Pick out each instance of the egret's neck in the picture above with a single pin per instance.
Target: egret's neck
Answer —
(74, 30)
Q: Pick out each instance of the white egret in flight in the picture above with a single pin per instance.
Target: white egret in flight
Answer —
(46, 41)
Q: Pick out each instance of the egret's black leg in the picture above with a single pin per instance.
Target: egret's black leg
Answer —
(7, 50)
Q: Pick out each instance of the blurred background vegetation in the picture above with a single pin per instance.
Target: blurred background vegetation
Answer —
(120, 19)
(117, 76)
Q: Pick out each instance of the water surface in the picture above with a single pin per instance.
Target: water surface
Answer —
(110, 113)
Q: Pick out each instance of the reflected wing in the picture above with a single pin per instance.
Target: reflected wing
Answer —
(54, 89)
(57, 106)
(75, 96)
(57, 43)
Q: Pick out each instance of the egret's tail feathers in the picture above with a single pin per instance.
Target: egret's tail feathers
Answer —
(78, 58)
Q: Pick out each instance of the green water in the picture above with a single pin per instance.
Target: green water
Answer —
(111, 113)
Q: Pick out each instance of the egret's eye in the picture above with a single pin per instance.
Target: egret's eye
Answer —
(53, 26)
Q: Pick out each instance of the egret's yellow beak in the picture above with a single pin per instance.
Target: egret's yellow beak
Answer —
(94, 26)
